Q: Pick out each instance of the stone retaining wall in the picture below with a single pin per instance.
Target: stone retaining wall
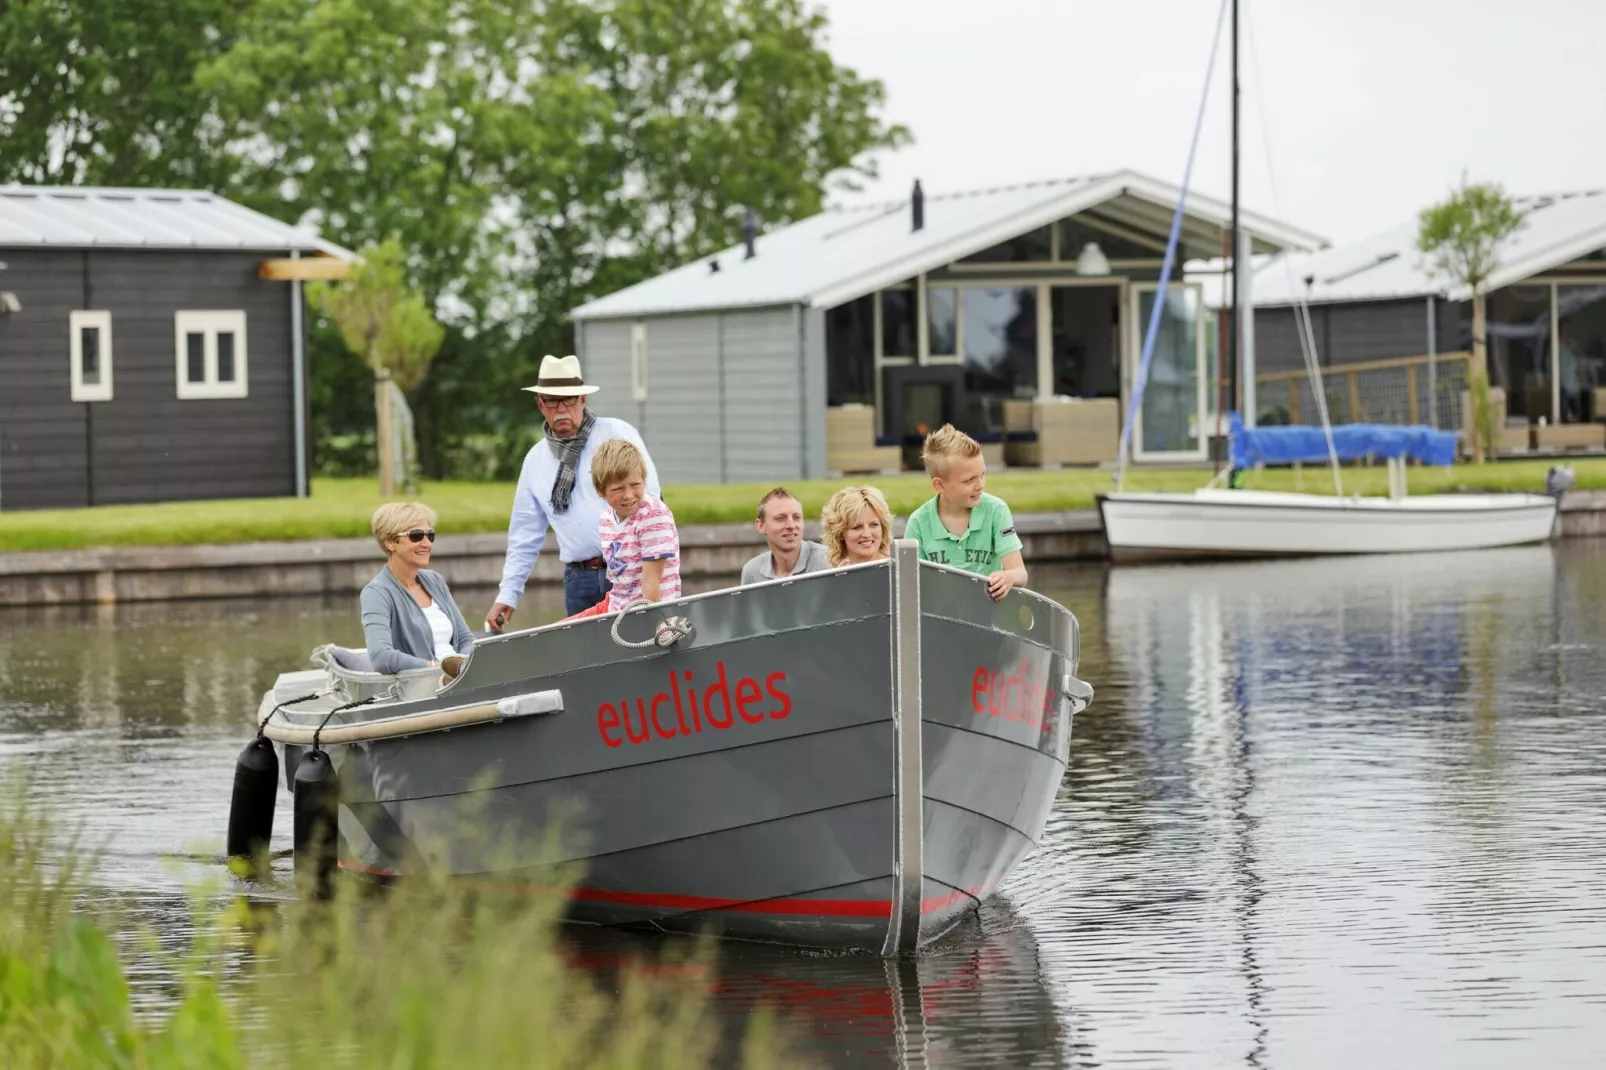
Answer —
(159, 573)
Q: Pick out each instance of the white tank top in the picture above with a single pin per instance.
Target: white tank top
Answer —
(440, 625)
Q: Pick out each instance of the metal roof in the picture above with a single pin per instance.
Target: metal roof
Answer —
(84, 217)
(1558, 228)
(844, 253)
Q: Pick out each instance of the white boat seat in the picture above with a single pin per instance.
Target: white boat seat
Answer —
(352, 671)
(348, 658)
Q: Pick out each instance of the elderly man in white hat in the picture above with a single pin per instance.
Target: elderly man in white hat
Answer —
(555, 488)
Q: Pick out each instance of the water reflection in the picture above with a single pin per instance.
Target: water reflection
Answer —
(1321, 814)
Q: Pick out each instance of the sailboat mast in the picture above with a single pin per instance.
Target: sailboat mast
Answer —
(1231, 369)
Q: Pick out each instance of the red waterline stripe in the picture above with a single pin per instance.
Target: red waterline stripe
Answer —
(834, 908)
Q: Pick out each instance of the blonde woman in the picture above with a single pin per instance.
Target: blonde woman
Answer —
(408, 617)
(858, 526)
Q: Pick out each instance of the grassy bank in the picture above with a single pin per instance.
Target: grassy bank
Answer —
(340, 508)
(423, 977)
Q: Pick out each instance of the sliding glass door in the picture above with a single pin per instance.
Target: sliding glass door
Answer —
(1171, 423)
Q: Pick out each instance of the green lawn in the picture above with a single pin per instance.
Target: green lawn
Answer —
(341, 507)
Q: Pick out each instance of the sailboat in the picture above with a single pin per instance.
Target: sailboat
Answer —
(1223, 521)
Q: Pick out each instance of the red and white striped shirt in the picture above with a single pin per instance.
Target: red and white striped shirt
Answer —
(649, 535)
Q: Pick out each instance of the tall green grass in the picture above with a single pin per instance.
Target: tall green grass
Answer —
(426, 976)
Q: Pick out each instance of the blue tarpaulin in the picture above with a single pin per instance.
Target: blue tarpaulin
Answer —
(1287, 445)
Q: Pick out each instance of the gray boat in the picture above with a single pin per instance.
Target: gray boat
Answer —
(853, 758)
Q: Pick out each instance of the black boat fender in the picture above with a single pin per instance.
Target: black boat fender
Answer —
(256, 791)
(317, 803)
(256, 794)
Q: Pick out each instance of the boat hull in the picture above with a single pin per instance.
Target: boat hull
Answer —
(847, 759)
(1233, 523)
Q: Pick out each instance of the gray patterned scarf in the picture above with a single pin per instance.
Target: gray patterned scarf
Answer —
(568, 451)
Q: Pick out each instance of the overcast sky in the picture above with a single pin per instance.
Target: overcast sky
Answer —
(1373, 107)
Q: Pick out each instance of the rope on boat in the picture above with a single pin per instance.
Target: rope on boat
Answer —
(318, 732)
(669, 632)
(263, 727)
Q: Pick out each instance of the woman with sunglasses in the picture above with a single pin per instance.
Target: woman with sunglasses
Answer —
(408, 616)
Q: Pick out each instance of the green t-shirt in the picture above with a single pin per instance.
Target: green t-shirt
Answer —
(987, 540)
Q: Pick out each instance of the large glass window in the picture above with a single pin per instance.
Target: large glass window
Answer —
(1519, 349)
(1000, 339)
(898, 337)
(942, 321)
(1582, 336)
(1034, 246)
(850, 353)
(1170, 415)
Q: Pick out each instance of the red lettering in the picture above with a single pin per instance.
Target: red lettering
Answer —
(1014, 706)
(691, 700)
(747, 692)
(723, 687)
(608, 717)
(641, 711)
(978, 687)
(772, 684)
(680, 714)
(995, 701)
(660, 697)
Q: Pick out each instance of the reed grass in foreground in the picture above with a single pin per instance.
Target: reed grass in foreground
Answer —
(340, 508)
(425, 976)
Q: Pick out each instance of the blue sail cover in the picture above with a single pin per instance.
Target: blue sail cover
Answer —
(1288, 445)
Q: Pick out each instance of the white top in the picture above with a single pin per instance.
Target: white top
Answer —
(576, 529)
(440, 626)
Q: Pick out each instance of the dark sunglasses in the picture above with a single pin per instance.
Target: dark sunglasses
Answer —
(419, 534)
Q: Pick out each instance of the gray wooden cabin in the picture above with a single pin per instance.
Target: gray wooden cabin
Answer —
(1379, 317)
(151, 348)
(904, 315)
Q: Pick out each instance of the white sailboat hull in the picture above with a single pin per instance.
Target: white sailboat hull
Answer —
(1234, 523)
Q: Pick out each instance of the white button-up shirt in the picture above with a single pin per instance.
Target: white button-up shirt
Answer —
(576, 529)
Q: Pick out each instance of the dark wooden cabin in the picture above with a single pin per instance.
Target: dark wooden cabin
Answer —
(151, 347)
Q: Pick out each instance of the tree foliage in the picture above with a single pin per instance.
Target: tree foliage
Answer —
(1461, 238)
(380, 318)
(527, 155)
(103, 91)
(1461, 235)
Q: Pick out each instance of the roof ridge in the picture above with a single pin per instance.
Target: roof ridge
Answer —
(979, 191)
(87, 191)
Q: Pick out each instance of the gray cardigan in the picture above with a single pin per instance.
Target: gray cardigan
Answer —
(396, 630)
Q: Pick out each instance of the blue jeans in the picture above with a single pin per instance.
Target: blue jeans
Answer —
(583, 587)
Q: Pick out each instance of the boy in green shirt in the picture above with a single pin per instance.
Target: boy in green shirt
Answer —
(963, 525)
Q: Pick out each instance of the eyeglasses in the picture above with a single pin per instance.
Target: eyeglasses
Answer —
(418, 534)
(552, 401)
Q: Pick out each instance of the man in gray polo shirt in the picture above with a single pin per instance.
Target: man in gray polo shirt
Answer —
(780, 521)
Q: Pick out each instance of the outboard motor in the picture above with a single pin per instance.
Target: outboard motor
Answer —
(317, 805)
(256, 791)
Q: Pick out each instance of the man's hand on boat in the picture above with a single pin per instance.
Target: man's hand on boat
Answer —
(498, 618)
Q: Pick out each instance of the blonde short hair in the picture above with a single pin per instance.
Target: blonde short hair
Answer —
(397, 518)
(840, 513)
(944, 444)
(616, 459)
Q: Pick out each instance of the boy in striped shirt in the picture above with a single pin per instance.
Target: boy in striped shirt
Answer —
(637, 531)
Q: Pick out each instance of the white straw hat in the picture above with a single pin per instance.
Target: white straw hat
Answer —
(561, 377)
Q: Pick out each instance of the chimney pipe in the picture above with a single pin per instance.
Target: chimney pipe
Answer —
(917, 203)
(749, 231)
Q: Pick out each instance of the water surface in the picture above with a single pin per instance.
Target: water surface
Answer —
(1321, 814)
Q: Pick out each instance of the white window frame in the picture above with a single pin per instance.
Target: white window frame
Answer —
(209, 322)
(76, 322)
(638, 362)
